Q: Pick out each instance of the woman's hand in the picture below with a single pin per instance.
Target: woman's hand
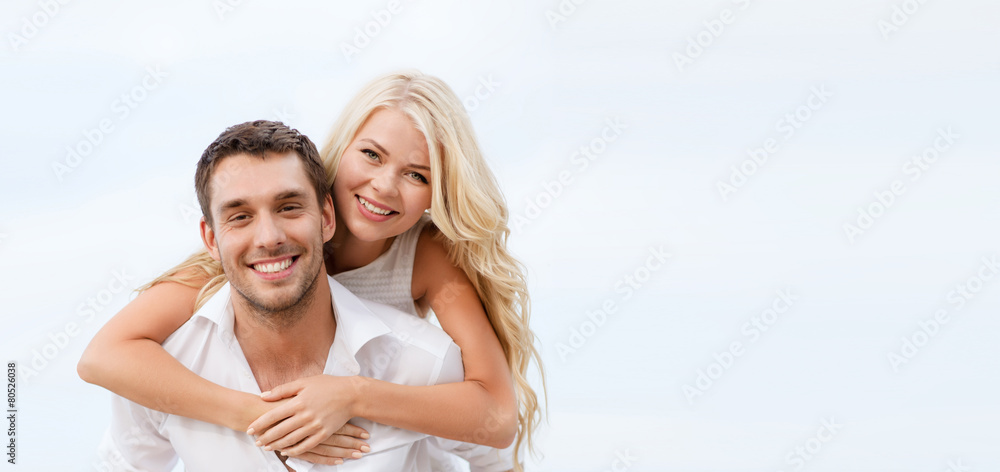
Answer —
(344, 444)
(317, 408)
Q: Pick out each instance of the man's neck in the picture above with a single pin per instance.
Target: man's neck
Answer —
(280, 353)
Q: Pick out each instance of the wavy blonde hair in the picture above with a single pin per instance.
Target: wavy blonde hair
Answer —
(467, 208)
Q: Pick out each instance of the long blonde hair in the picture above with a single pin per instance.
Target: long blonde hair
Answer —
(467, 208)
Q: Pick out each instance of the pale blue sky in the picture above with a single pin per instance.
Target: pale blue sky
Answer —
(127, 206)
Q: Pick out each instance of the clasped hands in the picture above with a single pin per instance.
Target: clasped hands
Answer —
(307, 419)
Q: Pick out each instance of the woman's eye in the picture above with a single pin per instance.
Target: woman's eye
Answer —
(418, 177)
(371, 154)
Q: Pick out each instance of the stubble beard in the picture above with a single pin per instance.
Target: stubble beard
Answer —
(282, 313)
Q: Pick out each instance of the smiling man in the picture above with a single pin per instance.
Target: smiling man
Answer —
(267, 213)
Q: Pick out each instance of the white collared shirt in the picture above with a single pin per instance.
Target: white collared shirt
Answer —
(371, 340)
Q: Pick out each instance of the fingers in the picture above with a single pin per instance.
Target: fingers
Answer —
(268, 420)
(329, 451)
(327, 455)
(269, 440)
(350, 430)
(297, 442)
(319, 459)
(330, 460)
(345, 442)
(282, 391)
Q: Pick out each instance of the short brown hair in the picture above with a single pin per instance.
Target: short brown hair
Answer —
(258, 138)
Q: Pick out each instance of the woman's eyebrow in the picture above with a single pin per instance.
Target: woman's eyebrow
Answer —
(386, 154)
(377, 145)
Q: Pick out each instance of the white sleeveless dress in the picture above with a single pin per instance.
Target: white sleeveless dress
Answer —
(388, 280)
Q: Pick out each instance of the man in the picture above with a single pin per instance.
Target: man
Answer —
(267, 213)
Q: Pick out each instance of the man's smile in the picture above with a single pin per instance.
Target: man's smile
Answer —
(274, 269)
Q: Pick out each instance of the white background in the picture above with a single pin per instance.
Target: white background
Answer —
(690, 114)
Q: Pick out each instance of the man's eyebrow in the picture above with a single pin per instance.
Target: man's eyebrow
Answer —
(238, 202)
(228, 205)
(290, 194)
(379, 146)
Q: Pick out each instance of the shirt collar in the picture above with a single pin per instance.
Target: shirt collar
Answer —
(356, 323)
(219, 310)
(356, 326)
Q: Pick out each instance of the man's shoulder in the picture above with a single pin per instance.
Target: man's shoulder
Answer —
(402, 326)
(202, 333)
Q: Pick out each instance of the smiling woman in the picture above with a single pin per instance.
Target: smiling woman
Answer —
(382, 186)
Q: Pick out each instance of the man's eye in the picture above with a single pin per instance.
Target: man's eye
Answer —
(289, 207)
(236, 218)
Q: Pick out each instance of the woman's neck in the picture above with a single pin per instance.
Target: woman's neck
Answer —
(349, 252)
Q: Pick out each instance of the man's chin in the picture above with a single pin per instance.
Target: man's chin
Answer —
(266, 298)
(274, 302)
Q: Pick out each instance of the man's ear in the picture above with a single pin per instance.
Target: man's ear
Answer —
(208, 237)
(329, 218)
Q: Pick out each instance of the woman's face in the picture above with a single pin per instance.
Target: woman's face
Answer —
(383, 182)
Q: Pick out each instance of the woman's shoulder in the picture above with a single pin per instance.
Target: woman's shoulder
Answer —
(432, 262)
(430, 242)
(422, 227)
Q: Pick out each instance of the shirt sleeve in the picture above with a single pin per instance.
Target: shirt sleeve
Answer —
(480, 458)
(133, 442)
(451, 369)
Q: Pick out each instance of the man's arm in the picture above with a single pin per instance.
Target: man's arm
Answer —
(133, 442)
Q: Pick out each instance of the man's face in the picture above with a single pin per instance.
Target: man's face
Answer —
(268, 229)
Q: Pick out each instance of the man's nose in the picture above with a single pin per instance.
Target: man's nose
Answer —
(269, 232)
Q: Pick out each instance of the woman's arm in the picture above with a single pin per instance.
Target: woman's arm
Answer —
(481, 410)
(126, 357)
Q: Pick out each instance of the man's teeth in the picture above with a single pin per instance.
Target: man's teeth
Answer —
(273, 267)
(373, 208)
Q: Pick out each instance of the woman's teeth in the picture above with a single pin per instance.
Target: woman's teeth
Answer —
(273, 267)
(372, 208)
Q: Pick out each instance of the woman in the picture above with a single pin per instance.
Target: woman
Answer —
(421, 225)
